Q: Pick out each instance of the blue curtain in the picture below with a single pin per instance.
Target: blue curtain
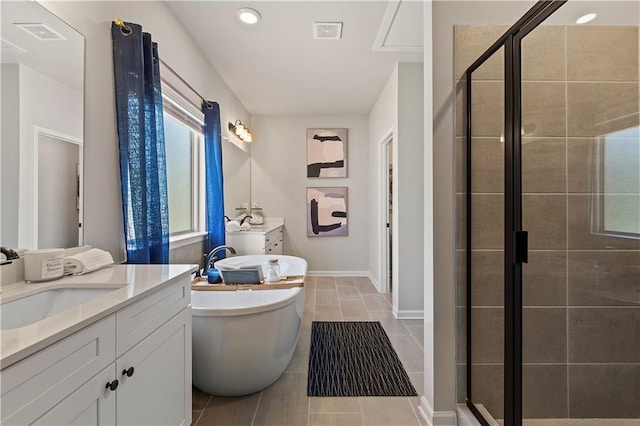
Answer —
(141, 142)
(213, 175)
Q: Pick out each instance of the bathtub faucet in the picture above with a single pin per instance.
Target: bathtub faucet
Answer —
(211, 257)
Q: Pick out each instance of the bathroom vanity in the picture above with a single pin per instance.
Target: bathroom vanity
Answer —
(121, 354)
(260, 239)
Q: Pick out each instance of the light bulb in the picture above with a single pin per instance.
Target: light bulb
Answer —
(248, 15)
(248, 138)
(239, 129)
(586, 18)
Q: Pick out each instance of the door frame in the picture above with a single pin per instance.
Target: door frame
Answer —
(383, 180)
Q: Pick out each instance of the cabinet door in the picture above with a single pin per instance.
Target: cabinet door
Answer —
(91, 404)
(158, 392)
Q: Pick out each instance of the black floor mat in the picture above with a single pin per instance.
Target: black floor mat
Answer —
(354, 358)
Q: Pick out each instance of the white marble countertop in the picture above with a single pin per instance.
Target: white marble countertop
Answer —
(269, 225)
(129, 282)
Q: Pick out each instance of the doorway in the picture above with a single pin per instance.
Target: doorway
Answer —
(57, 190)
(387, 215)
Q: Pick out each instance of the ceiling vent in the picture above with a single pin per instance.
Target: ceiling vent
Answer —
(327, 30)
(41, 31)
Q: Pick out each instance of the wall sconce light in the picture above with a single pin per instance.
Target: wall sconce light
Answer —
(241, 131)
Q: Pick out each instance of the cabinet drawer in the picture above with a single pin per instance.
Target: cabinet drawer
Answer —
(34, 385)
(273, 236)
(275, 247)
(137, 321)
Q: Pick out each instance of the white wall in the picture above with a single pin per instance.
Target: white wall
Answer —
(10, 154)
(279, 181)
(399, 109)
(383, 121)
(103, 205)
(409, 175)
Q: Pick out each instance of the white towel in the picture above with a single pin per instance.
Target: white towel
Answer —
(87, 261)
(232, 226)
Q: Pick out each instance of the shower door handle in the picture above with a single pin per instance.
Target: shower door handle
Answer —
(522, 247)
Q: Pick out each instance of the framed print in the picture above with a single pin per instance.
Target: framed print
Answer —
(327, 212)
(327, 153)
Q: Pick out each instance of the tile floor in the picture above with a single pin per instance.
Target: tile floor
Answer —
(286, 401)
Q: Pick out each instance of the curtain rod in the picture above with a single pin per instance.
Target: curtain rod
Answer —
(126, 30)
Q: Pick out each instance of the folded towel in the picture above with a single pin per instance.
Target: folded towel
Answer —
(87, 261)
(232, 226)
(75, 250)
(245, 226)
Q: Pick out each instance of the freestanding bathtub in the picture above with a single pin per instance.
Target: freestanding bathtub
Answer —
(244, 340)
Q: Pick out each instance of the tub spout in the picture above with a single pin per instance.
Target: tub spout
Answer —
(211, 257)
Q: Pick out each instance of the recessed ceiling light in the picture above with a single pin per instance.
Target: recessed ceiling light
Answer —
(248, 15)
(586, 18)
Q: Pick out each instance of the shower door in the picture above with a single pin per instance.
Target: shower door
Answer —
(580, 203)
(553, 220)
(485, 236)
(496, 243)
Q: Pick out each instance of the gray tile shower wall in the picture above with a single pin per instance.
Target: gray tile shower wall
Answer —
(581, 285)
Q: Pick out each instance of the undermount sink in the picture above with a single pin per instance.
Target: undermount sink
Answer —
(36, 307)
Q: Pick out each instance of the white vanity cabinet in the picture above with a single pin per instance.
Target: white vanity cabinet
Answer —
(269, 241)
(132, 367)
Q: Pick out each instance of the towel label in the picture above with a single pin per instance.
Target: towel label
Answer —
(52, 267)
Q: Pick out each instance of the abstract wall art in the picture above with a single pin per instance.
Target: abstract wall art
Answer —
(327, 153)
(327, 212)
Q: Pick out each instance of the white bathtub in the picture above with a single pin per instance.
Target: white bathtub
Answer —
(243, 341)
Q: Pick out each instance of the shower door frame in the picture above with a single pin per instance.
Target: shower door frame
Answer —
(515, 238)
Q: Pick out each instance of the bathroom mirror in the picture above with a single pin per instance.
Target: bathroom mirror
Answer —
(42, 128)
(236, 168)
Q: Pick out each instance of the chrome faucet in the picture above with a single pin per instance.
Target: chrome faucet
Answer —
(210, 258)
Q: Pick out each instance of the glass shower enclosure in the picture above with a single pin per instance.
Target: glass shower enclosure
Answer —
(552, 208)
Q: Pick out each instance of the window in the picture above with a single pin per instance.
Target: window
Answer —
(184, 143)
(618, 180)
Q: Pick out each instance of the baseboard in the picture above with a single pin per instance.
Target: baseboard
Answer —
(374, 281)
(408, 314)
(436, 418)
(338, 273)
(465, 416)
